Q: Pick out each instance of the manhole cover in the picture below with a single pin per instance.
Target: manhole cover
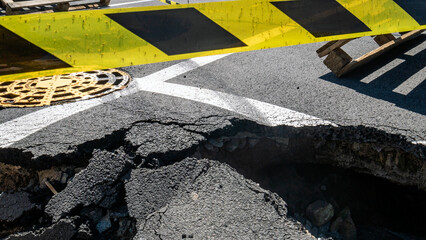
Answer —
(58, 89)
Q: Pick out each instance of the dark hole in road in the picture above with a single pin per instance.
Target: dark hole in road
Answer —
(303, 166)
(380, 209)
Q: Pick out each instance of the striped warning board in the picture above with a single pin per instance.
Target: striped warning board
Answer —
(57, 43)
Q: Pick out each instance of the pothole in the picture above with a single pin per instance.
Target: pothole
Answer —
(59, 89)
(340, 183)
(330, 197)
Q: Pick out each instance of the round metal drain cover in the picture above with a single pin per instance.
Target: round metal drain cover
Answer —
(59, 89)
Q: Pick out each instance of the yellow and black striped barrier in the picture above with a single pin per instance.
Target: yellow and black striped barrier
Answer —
(169, 2)
(56, 43)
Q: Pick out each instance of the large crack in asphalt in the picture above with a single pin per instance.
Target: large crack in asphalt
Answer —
(172, 179)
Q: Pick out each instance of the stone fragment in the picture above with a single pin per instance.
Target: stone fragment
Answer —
(344, 225)
(104, 224)
(84, 232)
(70, 179)
(13, 205)
(320, 212)
(194, 196)
(92, 184)
(64, 178)
(63, 229)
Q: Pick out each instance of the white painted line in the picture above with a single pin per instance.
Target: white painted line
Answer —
(416, 50)
(20, 128)
(128, 3)
(410, 84)
(181, 68)
(262, 112)
(379, 72)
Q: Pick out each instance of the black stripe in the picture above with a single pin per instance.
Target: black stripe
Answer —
(17, 55)
(322, 17)
(177, 31)
(416, 8)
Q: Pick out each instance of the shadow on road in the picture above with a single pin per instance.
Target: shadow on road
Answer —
(382, 84)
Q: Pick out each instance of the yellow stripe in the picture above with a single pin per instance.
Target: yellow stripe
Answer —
(169, 2)
(380, 15)
(89, 40)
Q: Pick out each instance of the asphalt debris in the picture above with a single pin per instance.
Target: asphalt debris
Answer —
(174, 178)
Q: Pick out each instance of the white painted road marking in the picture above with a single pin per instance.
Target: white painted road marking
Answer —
(261, 112)
(19, 128)
(386, 68)
(128, 3)
(408, 85)
(416, 50)
(272, 115)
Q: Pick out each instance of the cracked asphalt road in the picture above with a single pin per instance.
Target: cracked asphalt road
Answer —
(123, 143)
(293, 78)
